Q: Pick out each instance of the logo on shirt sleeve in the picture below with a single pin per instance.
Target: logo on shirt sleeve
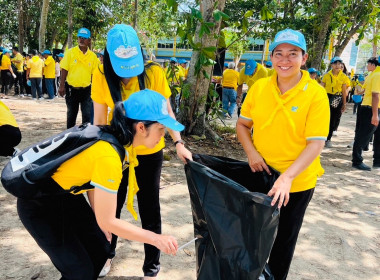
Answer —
(294, 108)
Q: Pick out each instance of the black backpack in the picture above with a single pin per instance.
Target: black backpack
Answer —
(23, 173)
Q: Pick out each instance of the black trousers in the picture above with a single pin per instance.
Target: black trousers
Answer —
(74, 98)
(291, 218)
(335, 114)
(148, 175)
(65, 228)
(363, 134)
(6, 79)
(19, 83)
(10, 137)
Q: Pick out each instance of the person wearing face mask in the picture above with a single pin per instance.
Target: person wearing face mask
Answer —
(289, 113)
(77, 67)
(336, 84)
(122, 73)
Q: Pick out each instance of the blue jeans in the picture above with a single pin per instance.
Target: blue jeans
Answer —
(50, 87)
(229, 100)
(36, 85)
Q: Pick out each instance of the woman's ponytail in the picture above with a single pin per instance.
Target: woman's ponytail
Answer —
(121, 125)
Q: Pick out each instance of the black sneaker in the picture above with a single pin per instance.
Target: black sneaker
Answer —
(361, 166)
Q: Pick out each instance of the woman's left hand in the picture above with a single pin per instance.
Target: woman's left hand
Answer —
(183, 153)
(280, 190)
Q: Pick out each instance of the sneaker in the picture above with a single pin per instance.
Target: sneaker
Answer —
(16, 152)
(335, 133)
(351, 145)
(41, 98)
(34, 98)
(106, 268)
(361, 166)
(328, 144)
(21, 95)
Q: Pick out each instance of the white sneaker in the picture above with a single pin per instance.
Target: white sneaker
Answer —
(106, 268)
(335, 133)
(351, 144)
(34, 98)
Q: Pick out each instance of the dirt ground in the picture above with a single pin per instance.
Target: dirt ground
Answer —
(340, 237)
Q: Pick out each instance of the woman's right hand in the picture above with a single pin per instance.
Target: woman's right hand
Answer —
(257, 163)
(167, 244)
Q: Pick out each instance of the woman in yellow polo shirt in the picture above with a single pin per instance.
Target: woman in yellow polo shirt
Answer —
(10, 134)
(75, 235)
(6, 72)
(336, 84)
(290, 115)
(123, 73)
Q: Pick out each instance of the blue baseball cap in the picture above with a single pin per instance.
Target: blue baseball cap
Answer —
(336, 59)
(182, 61)
(289, 36)
(312, 70)
(225, 64)
(149, 105)
(268, 63)
(361, 78)
(101, 53)
(6, 51)
(61, 55)
(250, 67)
(173, 59)
(46, 52)
(84, 32)
(124, 50)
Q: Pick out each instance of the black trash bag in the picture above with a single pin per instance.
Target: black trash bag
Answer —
(233, 218)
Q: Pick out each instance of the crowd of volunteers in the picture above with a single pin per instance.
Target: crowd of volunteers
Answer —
(132, 98)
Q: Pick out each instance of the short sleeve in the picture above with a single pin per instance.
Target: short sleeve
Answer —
(157, 81)
(318, 118)
(66, 61)
(376, 83)
(324, 79)
(97, 89)
(246, 108)
(107, 174)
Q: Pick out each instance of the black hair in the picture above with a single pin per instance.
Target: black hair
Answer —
(373, 60)
(23, 54)
(124, 128)
(33, 52)
(15, 48)
(113, 80)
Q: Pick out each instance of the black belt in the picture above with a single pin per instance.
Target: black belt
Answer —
(229, 87)
(77, 88)
(337, 93)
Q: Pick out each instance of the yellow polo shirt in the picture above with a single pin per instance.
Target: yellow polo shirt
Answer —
(371, 84)
(5, 62)
(80, 66)
(283, 123)
(19, 65)
(156, 81)
(49, 71)
(35, 64)
(260, 72)
(230, 78)
(6, 117)
(334, 84)
(99, 164)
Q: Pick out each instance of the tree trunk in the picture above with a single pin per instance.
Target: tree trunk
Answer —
(20, 26)
(376, 30)
(43, 22)
(70, 24)
(135, 8)
(52, 38)
(319, 44)
(341, 45)
(193, 112)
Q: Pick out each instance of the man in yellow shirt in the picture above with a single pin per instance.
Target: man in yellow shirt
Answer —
(18, 61)
(6, 71)
(249, 74)
(35, 67)
(49, 73)
(367, 123)
(183, 67)
(77, 67)
(229, 82)
(9, 131)
(268, 66)
(289, 113)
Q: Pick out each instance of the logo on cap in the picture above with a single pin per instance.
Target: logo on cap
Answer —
(83, 31)
(287, 36)
(126, 52)
(164, 108)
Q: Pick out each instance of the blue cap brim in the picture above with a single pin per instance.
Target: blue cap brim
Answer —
(169, 122)
(127, 67)
(275, 45)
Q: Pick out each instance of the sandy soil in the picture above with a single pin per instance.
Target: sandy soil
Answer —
(340, 238)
